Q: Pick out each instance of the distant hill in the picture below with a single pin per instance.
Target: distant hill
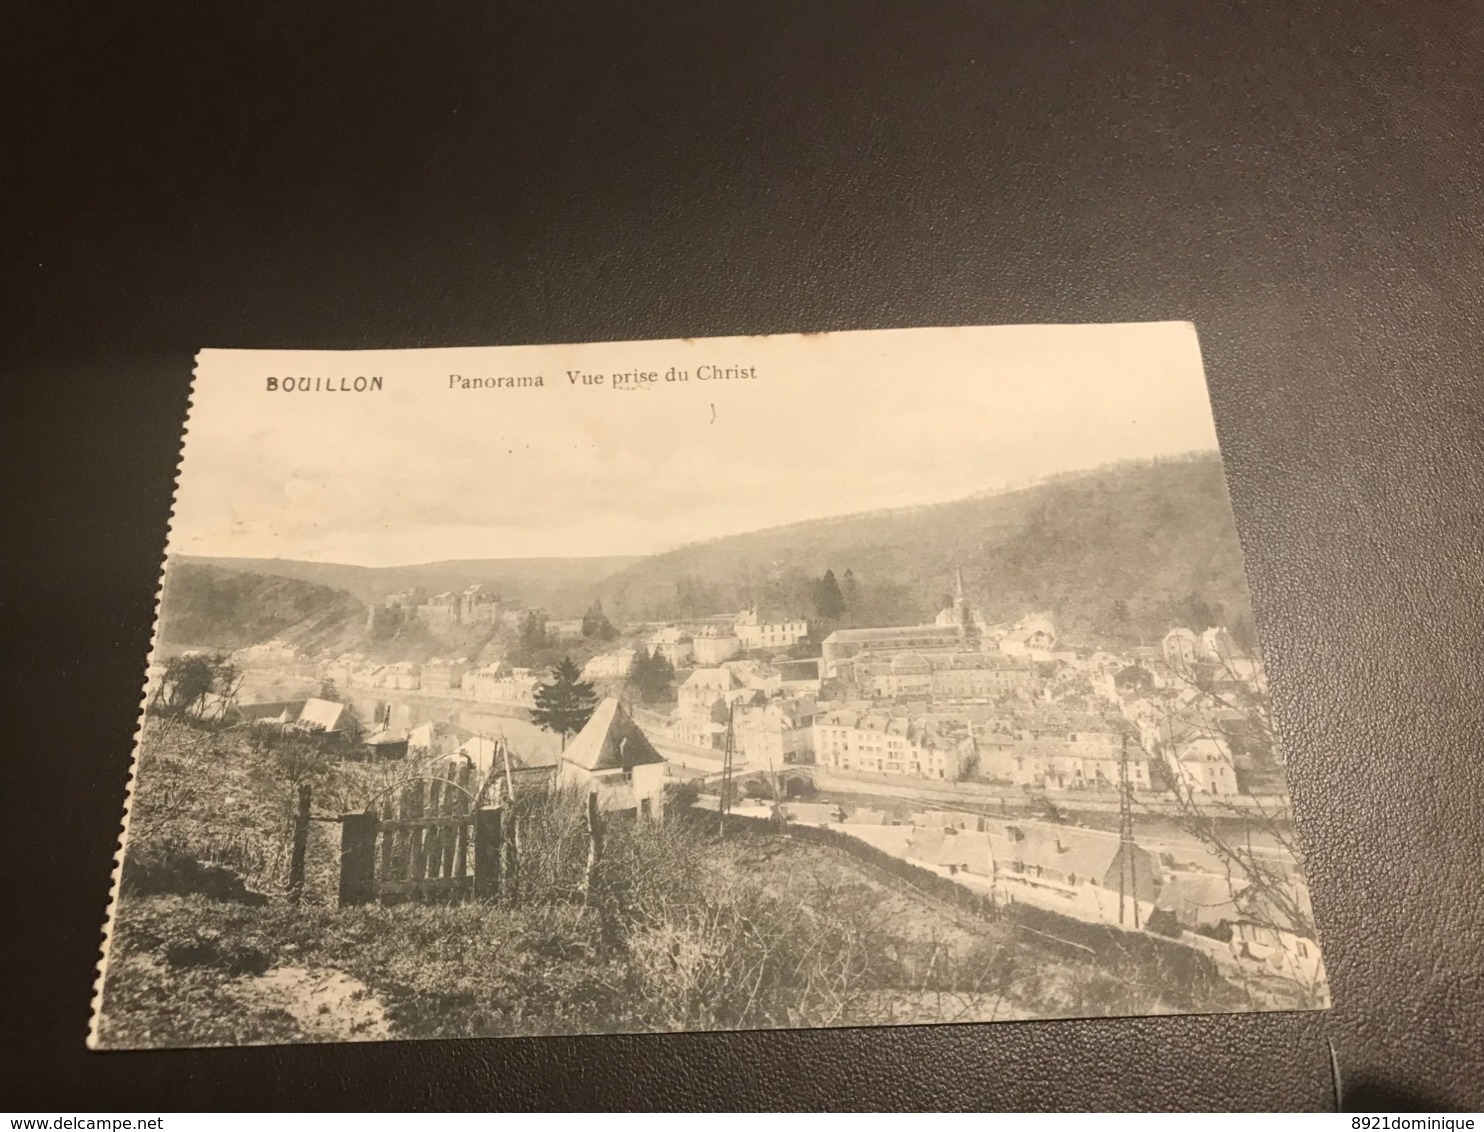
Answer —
(212, 607)
(561, 586)
(1119, 553)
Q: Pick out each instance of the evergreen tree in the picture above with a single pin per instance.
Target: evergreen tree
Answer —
(566, 702)
(651, 677)
(533, 632)
(533, 645)
(595, 623)
(328, 690)
(829, 603)
(850, 591)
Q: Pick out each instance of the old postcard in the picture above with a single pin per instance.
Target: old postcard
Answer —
(868, 678)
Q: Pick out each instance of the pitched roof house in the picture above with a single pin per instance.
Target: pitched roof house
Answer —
(1070, 856)
(613, 757)
(438, 737)
(388, 743)
(956, 849)
(282, 712)
(322, 716)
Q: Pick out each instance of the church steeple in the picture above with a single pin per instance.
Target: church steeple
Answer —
(964, 615)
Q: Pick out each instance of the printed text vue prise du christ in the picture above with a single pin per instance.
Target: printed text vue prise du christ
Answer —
(627, 379)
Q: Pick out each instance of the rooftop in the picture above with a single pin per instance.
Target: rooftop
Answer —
(895, 632)
(610, 740)
(321, 715)
(721, 679)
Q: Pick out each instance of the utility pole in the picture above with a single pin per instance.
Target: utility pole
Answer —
(726, 772)
(1127, 868)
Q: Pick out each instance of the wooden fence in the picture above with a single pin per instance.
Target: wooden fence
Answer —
(429, 842)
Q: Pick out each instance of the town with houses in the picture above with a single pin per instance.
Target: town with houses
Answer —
(916, 681)
(1067, 775)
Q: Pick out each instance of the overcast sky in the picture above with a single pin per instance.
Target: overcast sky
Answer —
(832, 424)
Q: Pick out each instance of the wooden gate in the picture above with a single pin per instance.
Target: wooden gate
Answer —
(428, 841)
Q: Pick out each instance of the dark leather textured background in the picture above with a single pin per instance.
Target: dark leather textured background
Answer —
(1304, 181)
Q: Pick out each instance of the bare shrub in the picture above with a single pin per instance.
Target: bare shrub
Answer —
(201, 811)
(553, 838)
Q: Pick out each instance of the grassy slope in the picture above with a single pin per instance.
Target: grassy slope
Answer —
(760, 931)
(213, 607)
(186, 969)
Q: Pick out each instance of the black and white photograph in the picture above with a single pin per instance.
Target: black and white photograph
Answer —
(863, 678)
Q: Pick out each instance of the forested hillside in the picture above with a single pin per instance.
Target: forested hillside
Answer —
(561, 586)
(207, 606)
(1120, 553)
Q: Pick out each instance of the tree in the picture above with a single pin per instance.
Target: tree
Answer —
(352, 730)
(328, 691)
(829, 603)
(190, 678)
(595, 623)
(1112, 623)
(1134, 678)
(1196, 612)
(533, 636)
(850, 591)
(532, 648)
(879, 602)
(1228, 718)
(695, 597)
(651, 677)
(566, 702)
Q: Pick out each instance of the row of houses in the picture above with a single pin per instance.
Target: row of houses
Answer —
(709, 644)
(438, 677)
(956, 630)
(726, 684)
(1191, 737)
(1061, 763)
(765, 732)
(613, 665)
(1043, 747)
(1040, 748)
(498, 684)
(1098, 877)
(455, 679)
(1183, 648)
(876, 742)
(945, 676)
(1160, 743)
(610, 755)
